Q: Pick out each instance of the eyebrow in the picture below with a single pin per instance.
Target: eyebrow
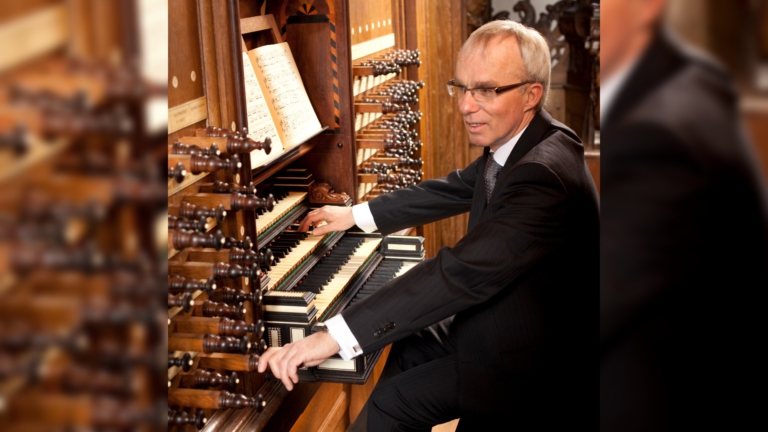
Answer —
(481, 84)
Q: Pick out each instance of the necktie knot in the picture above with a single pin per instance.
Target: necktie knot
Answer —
(492, 170)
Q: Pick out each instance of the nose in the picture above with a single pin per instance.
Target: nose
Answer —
(467, 104)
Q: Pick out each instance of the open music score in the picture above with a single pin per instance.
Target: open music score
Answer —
(276, 101)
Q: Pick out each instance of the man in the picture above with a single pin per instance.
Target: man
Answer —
(683, 236)
(502, 326)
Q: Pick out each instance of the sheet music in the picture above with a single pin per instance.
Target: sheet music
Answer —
(260, 123)
(295, 115)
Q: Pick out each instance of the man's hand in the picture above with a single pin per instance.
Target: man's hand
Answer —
(310, 351)
(336, 219)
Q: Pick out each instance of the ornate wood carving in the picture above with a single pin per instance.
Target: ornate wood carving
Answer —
(478, 13)
(545, 24)
(323, 193)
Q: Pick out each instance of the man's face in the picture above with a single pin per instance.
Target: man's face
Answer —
(499, 63)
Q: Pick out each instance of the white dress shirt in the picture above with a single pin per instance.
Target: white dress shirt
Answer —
(337, 327)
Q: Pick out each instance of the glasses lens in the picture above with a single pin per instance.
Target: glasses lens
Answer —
(483, 95)
(456, 91)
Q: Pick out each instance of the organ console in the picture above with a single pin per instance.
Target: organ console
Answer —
(268, 283)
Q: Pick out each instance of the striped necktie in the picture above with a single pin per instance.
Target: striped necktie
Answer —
(492, 170)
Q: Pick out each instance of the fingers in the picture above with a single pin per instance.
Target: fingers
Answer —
(283, 362)
(311, 218)
(264, 359)
(287, 382)
(320, 218)
(290, 374)
(288, 367)
(323, 229)
(308, 220)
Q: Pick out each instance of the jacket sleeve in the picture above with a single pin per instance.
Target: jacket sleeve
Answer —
(527, 224)
(427, 201)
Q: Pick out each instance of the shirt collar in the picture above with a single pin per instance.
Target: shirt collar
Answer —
(502, 154)
(610, 88)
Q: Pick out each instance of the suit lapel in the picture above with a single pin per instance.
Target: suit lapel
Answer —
(533, 135)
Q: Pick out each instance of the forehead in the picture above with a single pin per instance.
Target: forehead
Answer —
(497, 60)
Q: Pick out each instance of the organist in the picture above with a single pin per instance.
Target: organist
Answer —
(494, 329)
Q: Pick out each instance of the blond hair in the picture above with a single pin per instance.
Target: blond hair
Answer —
(534, 50)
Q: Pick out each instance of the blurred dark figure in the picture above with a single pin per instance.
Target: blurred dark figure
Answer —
(683, 236)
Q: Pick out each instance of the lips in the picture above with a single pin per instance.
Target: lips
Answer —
(474, 127)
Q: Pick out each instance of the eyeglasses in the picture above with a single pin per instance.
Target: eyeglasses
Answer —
(481, 94)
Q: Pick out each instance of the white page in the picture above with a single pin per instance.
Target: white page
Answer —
(295, 115)
(260, 123)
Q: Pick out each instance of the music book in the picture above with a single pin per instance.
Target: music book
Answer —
(276, 101)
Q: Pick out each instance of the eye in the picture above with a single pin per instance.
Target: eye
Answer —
(486, 92)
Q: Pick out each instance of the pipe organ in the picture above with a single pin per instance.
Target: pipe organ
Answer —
(241, 276)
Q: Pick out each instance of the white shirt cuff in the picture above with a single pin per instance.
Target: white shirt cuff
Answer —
(364, 217)
(338, 329)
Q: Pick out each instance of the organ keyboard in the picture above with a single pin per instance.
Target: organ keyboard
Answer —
(333, 286)
(291, 257)
(350, 267)
(284, 205)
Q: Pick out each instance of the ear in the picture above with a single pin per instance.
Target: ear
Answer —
(532, 96)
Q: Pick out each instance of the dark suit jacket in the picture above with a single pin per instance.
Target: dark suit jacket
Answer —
(522, 283)
(683, 251)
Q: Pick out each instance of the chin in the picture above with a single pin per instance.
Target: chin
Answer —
(478, 142)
